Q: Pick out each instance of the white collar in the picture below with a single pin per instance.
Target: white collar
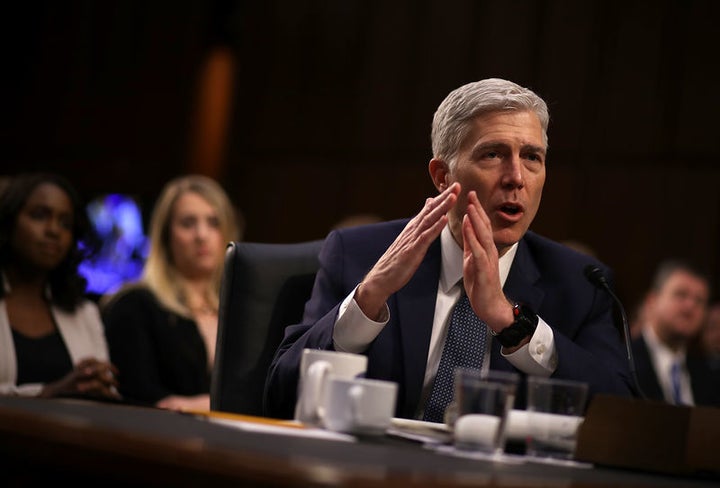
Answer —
(664, 355)
(451, 270)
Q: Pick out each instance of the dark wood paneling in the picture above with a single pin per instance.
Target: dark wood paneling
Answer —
(334, 99)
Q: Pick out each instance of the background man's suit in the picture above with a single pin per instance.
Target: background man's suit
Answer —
(705, 382)
(544, 275)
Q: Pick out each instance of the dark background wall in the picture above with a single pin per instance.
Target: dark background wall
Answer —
(328, 107)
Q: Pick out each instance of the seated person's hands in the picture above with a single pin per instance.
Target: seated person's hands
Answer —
(177, 402)
(90, 377)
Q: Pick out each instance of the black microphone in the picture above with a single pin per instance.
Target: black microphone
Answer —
(596, 276)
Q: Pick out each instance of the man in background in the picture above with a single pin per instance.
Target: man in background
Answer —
(710, 337)
(674, 312)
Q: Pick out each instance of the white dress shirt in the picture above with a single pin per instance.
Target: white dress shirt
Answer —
(354, 331)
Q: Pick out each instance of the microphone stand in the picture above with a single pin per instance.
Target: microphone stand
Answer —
(597, 278)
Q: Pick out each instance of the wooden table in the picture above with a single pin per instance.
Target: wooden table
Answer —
(84, 442)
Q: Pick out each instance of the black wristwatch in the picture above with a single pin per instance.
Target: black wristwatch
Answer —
(524, 325)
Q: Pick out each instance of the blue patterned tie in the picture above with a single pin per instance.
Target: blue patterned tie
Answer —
(675, 380)
(464, 346)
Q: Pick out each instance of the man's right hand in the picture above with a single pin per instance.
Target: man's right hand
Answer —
(401, 260)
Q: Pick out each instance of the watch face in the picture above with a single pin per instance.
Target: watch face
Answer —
(524, 325)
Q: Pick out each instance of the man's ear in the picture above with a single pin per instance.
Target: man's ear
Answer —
(440, 173)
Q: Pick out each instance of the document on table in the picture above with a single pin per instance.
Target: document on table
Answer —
(420, 431)
(249, 423)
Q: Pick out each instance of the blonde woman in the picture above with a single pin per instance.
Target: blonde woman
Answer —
(162, 330)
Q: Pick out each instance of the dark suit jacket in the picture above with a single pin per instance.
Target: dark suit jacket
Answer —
(545, 275)
(704, 381)
(158, 352)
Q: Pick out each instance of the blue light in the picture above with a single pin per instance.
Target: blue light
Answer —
(117, 219)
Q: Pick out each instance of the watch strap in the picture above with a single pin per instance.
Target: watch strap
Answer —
(524, 325)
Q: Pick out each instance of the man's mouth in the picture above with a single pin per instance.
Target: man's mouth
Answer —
(510, 212)
(510, 209)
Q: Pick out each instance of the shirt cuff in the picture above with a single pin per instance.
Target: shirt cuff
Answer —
(354, 331)
(539, 356)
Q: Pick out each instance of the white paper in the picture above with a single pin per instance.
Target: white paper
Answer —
(312, 433)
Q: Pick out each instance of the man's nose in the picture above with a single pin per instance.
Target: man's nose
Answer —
(513, 176)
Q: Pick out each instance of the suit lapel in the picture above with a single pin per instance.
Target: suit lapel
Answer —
(648, 379)
(520, 286)
(416, 309)
(521, 281)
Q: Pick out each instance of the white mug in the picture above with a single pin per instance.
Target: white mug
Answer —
(316, 366)
(359, 405)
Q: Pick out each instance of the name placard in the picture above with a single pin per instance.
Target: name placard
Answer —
(651, 436)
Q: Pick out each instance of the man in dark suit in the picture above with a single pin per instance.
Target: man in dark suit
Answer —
(388, 290)
(675, 309)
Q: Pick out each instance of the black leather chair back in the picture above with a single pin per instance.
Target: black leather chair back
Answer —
(264, 289)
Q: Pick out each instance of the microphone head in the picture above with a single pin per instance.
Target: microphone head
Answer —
(595, 275)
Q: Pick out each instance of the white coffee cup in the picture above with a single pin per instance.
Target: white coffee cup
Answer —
(359, 406)
(316, 366)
